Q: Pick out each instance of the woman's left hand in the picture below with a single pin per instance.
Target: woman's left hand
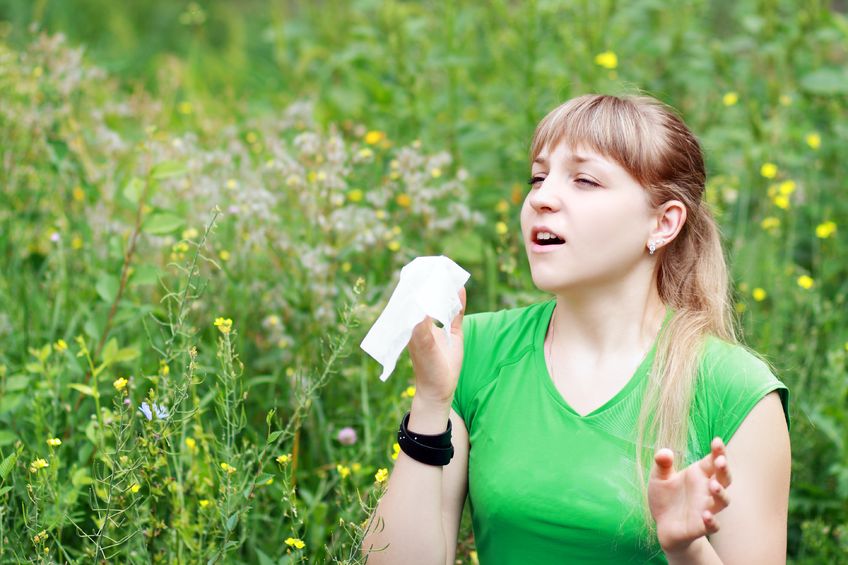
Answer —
(684, 503)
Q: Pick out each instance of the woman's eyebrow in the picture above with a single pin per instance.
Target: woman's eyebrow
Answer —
(577, 158)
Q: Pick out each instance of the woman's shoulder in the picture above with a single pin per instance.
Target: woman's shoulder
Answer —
(505, 331)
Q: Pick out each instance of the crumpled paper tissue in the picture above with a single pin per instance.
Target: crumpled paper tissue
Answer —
(428, 286)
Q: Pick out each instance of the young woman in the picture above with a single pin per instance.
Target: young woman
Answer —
(619, 422)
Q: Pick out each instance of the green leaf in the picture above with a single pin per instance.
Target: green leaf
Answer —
(10, 403)
(134, 190)
(7, 437)
(4, 490)
(145, 274)
(85, 389)
(162, 223)
(167, 169)
(825, 81)
(17, 382)
(272, 437)
(107, 287)
(126, 354)
(270, 416)
(232, 521)
(7, 465)
(110, 351)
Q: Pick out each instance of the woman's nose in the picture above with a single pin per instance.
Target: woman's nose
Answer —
(544, 197)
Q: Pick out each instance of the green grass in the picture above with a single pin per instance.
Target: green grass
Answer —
(188, 166)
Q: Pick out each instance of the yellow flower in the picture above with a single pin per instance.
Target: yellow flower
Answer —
(365, 153)
(768, 170)
(436, 172)
(395, 451)
(741, 307)
(343, 470)
(123, 459)
(224, 255)
(203, 503)
(76, 243)
(770, 223)
(295, 543)
(502, 207)
(381, 475)
(251, 137)
(232, 184)
(224, 325)
(396, 230)
(283, 459)
(228, 468)
(37, 465)
(135, 488)
(355, 195)
(191, 443)
(380, 214)
(374, 137)
(78, 193)
(120, 383)
(60, 345)
(785, 100)
(730, 98)
(356, 467)
(190, 233)
(759, 294)
(394, 245)
(781, 201)
(54, 442)
(501, 228)
(408, 392)
(607, 60)
(805, 282)
(787, 187)
(164, 369)
(346, 267)
(403, 200)
(825, 230)
(813, 140)
(184, 108)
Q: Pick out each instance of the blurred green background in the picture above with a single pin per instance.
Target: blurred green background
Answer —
(339, 140)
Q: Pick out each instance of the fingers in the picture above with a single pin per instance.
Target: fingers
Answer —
(722, 471)
(663, 467)
(710, 522)
(721, 500)
(708, 462)
(456, 324)
(422, 336)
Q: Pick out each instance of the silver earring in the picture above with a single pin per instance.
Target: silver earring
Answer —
(652, 245)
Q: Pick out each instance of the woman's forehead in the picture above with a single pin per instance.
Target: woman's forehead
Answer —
(581, 154)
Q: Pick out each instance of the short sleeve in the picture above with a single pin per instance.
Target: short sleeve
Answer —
(462, 394)
(732, 380)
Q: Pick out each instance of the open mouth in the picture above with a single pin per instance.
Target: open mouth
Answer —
(545, 237)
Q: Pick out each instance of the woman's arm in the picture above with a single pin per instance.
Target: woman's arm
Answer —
(417, 519)
(753, 526)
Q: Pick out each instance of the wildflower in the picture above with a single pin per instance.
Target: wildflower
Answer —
(37, 465)
(741, 307)
(251, 138)
(393, 245)
(78, 193)
(185, 108)
(365, 153)
(355, 195)
(295, 543)
(607, 60)
(224, 255)
(346, 436)
(60, 345)
(785, 100)
(380, 214)
(805, 282)
(381, 475)
(55, 237)
(768, 170)
(123, 459)
(781, 201)
(164, 370)
(787, 187)
(374, 137)
(502, 207)
(283, 459)
(120, 383)
(76, 243)
(228, 468)
(231, 184)
(346, 267)
(203, 503)
(343, 470)
(825, 230)
(224, 325)
(191, 444)
(54, 442)
(501, 228)
(759, 294)
(160, 412)
(770, 223)
(403, 200)
(190, 233)
(730, 98)
(813, 140)
(135, 488)
(356, 467)
(395, 451)
(408, 392)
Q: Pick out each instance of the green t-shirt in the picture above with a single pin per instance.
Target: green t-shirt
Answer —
(549, 486)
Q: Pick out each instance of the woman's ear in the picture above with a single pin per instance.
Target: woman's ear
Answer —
(670, 218)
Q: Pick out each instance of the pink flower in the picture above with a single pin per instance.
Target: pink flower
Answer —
(347, 436)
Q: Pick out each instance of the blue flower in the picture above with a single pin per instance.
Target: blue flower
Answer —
(160, 411)
(145, 409)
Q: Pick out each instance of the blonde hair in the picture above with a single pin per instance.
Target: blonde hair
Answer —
(651, 142)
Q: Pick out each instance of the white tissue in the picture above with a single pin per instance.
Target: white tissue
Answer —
(428, 286)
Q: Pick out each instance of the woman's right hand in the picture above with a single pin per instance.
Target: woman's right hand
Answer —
(436, 365)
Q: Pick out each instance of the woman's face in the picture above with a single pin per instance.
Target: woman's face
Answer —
(599, 217)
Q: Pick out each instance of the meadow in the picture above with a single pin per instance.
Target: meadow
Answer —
(204, 207)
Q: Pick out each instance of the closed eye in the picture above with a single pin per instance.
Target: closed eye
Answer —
(532, 182)
(587, 181)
